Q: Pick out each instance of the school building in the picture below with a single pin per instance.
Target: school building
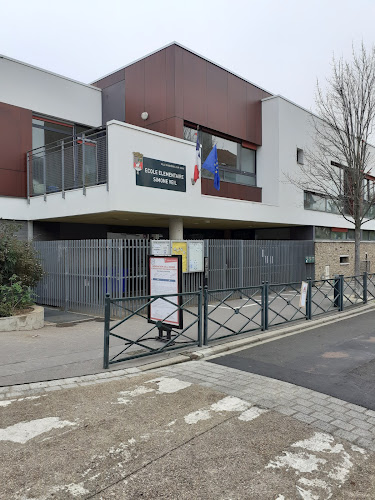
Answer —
(116, 158)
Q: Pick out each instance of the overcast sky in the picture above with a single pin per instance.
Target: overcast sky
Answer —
(281, 45)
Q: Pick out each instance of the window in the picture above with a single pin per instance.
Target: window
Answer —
(300, 156)
(236, 163)
(53, 141)
(320, 203)
(327, 233)
(344, 259)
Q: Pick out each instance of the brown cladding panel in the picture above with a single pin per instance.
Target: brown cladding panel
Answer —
(237, 115)
(194, 89)
(170, 80)
(109, 80)
(217, 100)
(234, 191)
(12, 183)
(179, 81)
(15, 141)
(135, 93)
(155, 87)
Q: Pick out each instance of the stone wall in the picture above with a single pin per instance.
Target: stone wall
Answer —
(328, 254)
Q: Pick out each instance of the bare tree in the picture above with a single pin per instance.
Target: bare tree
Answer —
(338, 166)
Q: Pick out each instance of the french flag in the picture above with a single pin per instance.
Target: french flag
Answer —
(197, 160)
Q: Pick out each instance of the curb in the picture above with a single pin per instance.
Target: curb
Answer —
(204, 353)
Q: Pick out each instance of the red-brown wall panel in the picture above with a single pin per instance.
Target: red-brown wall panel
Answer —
(15, 141)
(217, 97)
(12, 183)
(109, 80)
(135, 93)
(174, 83)
(234, 191)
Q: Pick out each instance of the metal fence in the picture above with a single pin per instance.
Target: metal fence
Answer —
(224, 313)
(70, 163)
(80, 272)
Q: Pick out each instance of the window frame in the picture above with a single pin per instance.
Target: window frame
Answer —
(224, 168)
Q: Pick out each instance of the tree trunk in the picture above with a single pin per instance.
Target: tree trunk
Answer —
(357, 250)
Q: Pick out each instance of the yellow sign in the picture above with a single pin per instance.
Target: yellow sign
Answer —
(180, 248)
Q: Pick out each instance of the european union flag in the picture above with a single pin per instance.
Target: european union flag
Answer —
(212, 165)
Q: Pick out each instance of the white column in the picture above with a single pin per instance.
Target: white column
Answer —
(176, 228)
(30, 230)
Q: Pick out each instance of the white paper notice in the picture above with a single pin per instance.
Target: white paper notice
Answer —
(302, 300)
(164, 281)
(160, 247)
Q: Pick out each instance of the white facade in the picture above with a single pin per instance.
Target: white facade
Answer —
(49, 94)
(285, 127)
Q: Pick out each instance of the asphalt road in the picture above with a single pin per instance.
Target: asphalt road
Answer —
(336, 359)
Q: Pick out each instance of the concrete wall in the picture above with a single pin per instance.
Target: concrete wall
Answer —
(43, 92)
(328, 254)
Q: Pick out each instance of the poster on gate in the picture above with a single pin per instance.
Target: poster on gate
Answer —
(165, 278)
(302, 299)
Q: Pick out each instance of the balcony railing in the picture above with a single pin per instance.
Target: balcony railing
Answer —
(71, 163)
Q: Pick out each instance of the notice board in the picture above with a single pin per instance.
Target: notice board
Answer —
(196, 256)
(165, 278)
(181, 248)
(160, 247)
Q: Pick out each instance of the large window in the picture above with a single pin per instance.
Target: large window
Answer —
(319, 202)
(236, 163)
(57, 156)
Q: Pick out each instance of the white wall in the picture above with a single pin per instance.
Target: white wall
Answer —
(46, 93)
(286, 205)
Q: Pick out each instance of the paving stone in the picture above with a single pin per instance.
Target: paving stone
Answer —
(303, 409)
(343, 425)
(363, 433)
(351, 406)
(356, 414)
(324, 426)
(336, 407)
(349, 436)
(306, 402)
(370, 413)
(366, 443)
(322, 416)
(304, 418)
(360, 423)
(285, 410)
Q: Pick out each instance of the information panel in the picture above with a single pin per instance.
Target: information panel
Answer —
(162, 175)
(196, 256)
(164, 279)
(160, 247)
(180, 248)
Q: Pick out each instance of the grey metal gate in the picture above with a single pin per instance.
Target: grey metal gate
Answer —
(80, 272)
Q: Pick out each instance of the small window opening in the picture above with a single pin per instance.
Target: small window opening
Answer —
(344, 259)
(300, 156)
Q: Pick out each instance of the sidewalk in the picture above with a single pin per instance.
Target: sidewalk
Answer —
(191, 431)
(71, 351)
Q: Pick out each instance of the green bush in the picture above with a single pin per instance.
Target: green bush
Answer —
(19, 270)
(14, 297)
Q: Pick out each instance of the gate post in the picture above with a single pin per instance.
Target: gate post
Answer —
(309, 299)
(365, 287)
(264, 305)
(341, 278)
(200, 317)
(107, 311)
(336, 292)
(205, 316)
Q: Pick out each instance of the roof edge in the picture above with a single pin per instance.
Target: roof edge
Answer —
(49, 72)
(192, 52)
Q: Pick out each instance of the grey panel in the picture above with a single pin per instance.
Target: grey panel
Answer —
(113, 102)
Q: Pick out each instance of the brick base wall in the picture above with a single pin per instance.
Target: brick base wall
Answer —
(328, 254)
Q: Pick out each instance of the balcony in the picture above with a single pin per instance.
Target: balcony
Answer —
(71, 163)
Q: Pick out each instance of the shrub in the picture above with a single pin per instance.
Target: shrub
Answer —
(14, 297)
(19, 270)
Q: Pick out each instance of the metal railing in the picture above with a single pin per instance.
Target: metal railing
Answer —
(139, 336)
(224, 313)
(236, 311)
(71, 163)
